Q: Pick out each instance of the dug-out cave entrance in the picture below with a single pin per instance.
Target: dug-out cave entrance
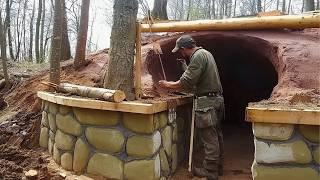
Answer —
(247, 73)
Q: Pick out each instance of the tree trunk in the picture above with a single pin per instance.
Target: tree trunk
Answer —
(119, 75)
(79, 59)
(284, 6)
(278, 2)
(159, 10)
(3, 45)
(8, 27)
(55, 54)
(289, 6)
(189, 9)
(213, 9)
(259, 6)
(31, 32)
(37, 38)
(42, 54)
(234, 8)
(318, 4)
(65, 49)
(182, 10)
(309, 5)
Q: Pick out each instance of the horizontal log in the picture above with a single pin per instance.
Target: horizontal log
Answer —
(251, 23)
(91, 92)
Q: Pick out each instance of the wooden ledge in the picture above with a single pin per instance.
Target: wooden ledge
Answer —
(131, 106)
(283, 116)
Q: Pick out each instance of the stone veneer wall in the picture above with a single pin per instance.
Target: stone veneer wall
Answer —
(114, 144)
(286, 152)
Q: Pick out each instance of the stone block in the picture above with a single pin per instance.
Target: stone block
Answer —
(44, 119)
(163, 119)
(66, 161)
(96, 117)
(106, 165)
(271, 131)
(64, 141)
(312, 133)
(51, 135)
(56, 154)
(53, 108)
(50, 147)
(143, 169)
(295, 152)
(164, 163)
(174, 162)
(140, 123)
(65, 109)
(68, 125)
(52, 122)
(143, 146)
(44, 137)
(260, 172)
(81, 156)
(316, 155)
(166, 136)
(110, 140)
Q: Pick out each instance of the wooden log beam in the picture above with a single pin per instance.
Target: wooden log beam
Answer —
(91, 92)
(283, 115)
(251, 23)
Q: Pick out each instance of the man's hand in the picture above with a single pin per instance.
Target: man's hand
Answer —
(170, 85)
(164, 84)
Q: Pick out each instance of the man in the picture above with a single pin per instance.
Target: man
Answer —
(201, 76)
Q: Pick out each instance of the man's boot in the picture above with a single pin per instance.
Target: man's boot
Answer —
(202, 172)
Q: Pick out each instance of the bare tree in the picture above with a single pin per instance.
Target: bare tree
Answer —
(37, 38)
(259, 7)
(120, 71)
(284, 6)
(79, 60)
(55, 54)
(8, 26)
(309, 5)
(159, 10)
(65, 49)
(31, 32)
(42, 53)
(3, 44)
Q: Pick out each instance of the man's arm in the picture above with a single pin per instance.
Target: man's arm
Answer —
(174, 85)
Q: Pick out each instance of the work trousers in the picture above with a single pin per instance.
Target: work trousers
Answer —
(208, 124)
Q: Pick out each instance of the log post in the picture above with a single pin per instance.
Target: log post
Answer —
(137, 73)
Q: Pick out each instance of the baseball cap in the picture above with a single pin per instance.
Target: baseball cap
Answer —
(182, 42)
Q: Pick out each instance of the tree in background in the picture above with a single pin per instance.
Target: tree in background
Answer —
(159, 10)
(55, 54)
(37, 38)
(3, 42)
(309, 5)
(65, 49)
(79, 59)
(119, 75)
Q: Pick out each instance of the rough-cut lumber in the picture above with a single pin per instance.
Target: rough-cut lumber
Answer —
(286, 116)
(91, 92)
(125, 106)
(137, 75)
(251, 23)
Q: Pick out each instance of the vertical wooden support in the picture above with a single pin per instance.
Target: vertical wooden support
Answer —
(137, 73)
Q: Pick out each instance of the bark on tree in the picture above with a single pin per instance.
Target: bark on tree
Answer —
(3, 45)
(119, 75)
(31, 32)
(42, 53)
(278, 2)
(79, 59)
(309, 5)
(55, 54)
(8, 27)
(259, 6)
(159, 10)
(234, 8)
(213, 9)
(289, 6)
(318, 4)
(66, 52)
(189, 9)
(284, 6)
(37, 38)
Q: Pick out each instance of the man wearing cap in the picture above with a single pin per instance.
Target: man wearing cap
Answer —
(202, 77)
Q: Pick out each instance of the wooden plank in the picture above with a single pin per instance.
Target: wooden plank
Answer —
(251, 23)
(286, 116)
(133, 107)
(137, 75)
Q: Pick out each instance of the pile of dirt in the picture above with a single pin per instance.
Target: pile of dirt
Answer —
(19, 151)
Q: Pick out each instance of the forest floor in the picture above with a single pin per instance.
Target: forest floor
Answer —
(20, 119)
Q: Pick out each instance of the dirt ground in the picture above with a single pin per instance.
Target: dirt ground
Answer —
(20, 120)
